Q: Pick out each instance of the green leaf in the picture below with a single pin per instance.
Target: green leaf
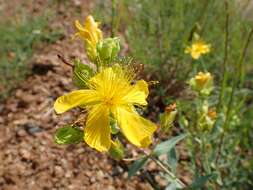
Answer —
(166, 146)
(172, 159)
(82, 72)
(173, 186)
(136, 166)
(200, 181)
(68, 135)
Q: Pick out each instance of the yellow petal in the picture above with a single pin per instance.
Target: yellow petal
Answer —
(89, 31)
(74, 99)
(195, 55)
(92, 27)
(142, 85)
(79, 26)
(138, 93)
(90, 22)
(137, 130)
(97, 133)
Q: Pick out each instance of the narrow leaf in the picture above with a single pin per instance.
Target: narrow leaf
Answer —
(172, 159)
(201, 181)
(166, 146)
(136, 166)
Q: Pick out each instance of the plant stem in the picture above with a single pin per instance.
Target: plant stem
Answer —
(224, 68)
(204, 154)
(113, 22)
(165, 168)
(241, 74)
(232, 96)
(151, 181)
(64, 60)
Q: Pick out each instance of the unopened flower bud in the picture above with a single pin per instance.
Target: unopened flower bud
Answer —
(108, 48)
(167, 118)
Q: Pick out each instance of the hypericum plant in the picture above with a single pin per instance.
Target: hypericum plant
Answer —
(112, 98)
(108, 93)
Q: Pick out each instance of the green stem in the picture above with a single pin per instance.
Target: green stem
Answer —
(241, 74)
(113, 24)
(224, 68)
(166, 170)
(204, 154)
(237, 80)
(202, 64)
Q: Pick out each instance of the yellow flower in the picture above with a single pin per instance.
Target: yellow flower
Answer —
(202, 79)
(91, 34)
(202, 82)
(198, 48)
(110, 92)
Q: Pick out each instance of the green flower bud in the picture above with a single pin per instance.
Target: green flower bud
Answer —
(108, 48)
(167, 118)
(207, 118)
(117, 150)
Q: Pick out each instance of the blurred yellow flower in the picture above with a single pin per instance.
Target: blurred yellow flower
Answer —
(202, 79)
(111, 92)
(202, 83)
(91, 34)
(198, 48)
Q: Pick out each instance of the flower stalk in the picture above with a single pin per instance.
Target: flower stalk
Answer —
(224, 65)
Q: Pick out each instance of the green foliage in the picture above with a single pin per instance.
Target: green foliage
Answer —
(81, 74)
(19, 39)
(159, 31)
(199, 182)
(68, 135)
(166, 146)
(136, 166)
(172, 159)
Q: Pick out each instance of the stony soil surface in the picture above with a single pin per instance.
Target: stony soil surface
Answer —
(30, 160)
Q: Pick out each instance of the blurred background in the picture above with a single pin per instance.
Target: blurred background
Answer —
(155, 33)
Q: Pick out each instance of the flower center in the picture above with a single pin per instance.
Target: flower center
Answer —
(109, 101)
